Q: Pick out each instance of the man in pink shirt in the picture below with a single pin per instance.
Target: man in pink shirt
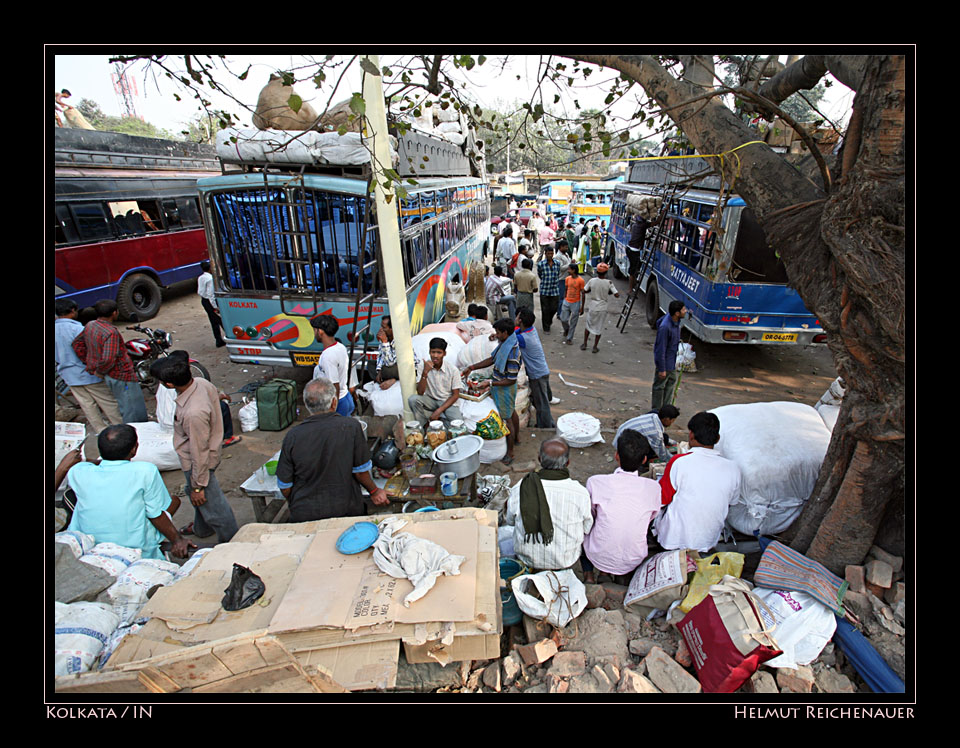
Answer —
(623, 505)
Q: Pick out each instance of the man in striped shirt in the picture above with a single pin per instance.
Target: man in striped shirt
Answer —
(652, 425)
(550, 512)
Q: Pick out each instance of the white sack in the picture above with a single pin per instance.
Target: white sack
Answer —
(447, 127)
(829, 415)
(833, 395)
(492, 450)
(451, 137)
(564, 596)
(388, 402)
(406, 556)
(79, 543)
(129, 593)
(191, 563)
(779, 448)
(249, 417)
(478, 349)
(166, 406)
(238, 145)
(803, 625)
(156, 446)
(80, 632)
(579, 429)
(112, 558)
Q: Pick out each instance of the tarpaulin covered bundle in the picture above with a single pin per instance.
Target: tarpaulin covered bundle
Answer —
(779, 448)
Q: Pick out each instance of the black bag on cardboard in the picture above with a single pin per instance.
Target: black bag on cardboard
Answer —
(244, 590)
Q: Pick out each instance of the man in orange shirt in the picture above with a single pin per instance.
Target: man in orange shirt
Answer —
(572, 304)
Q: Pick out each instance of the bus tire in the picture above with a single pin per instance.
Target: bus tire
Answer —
(653, 303)
(138, 294)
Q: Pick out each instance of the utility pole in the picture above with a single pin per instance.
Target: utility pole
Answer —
(375, 128)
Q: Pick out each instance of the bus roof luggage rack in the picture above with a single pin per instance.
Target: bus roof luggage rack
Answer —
(673, 171)
(113, 149)
(443, 158)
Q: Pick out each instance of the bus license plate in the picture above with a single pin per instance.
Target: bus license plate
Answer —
(305, 359)
(780, 337)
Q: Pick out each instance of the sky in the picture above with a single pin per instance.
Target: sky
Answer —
(90, 77)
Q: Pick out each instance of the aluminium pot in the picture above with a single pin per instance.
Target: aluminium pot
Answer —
(460, 455)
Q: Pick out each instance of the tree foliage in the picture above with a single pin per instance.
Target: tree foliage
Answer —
(92, 112)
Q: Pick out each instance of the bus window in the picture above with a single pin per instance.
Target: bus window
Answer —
(66, 230)
(90, 221)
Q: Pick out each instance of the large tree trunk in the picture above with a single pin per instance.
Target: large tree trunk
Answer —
(844, 253)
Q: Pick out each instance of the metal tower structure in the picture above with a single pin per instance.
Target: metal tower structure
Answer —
(126, 89)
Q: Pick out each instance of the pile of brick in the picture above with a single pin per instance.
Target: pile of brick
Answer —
(610, 649)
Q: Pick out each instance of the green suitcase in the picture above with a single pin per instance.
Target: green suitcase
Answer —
(277, 404)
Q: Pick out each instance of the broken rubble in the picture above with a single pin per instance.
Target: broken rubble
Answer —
(537, 652)
(761, 682)
(895, 562)
(667, 675)
(829, 680)
(879, 573)
(568, 663)
(796, 680)
(632, 681)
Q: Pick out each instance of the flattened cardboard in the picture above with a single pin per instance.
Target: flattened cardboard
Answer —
(357, 667)
(329, 589)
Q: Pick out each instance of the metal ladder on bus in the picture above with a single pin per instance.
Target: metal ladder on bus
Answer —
(649, 243)
(301, 263)
(364, 297)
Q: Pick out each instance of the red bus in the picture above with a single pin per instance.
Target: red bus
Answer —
(127, 220)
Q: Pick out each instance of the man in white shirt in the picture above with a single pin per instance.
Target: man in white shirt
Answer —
(438, 388)
(550, 512)
(334, 362)
(697, 490)
(205, 291)
(506, 248)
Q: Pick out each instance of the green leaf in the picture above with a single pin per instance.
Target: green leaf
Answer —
(342, 130)
(288, 79)
(387, 72)
(481, 59)
(295, 102)
(368, 67)
(243, 75)
(357, 105)
(319, 78)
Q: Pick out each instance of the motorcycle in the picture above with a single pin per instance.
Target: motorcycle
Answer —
(144, 351)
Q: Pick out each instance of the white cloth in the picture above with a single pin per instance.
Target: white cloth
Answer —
(334, 365)
(406, 556)
(705, 484)
(572, 519)
(205, 286)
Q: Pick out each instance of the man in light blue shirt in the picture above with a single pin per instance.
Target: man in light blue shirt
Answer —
(124, 502)
(535, 362)
(94, 396)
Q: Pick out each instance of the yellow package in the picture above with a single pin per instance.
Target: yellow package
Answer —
(710, 570)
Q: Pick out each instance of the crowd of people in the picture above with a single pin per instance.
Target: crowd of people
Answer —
(605, 526)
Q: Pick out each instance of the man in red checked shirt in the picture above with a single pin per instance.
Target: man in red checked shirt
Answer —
(697, 490)
(101, 348)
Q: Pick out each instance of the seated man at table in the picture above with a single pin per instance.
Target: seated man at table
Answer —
(124, 502)
(438, 388)
(325, 460)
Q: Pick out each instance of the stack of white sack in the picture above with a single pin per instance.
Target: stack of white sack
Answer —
(80, 632)
(779, 448)
(828, 406)
(447, 124)
(240, 145)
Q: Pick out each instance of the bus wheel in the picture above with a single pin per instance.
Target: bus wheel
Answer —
(653, 303)
(138, 294)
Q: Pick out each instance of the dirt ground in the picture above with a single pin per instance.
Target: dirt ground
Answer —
(613, 385)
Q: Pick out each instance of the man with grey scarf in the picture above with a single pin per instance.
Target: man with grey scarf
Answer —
(550, 512)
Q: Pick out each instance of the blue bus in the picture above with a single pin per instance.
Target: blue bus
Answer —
(286, 247)
(554, 198)
(710, 252)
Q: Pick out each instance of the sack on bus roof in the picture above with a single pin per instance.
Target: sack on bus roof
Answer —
(241, 145)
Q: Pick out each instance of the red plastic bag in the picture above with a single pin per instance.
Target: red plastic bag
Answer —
(726, 636)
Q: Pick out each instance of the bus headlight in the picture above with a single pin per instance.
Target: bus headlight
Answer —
(266, 333)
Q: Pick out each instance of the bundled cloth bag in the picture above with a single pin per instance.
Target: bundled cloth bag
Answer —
(727, 637)
(804, 626)
(406, 556)
(560, 596)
